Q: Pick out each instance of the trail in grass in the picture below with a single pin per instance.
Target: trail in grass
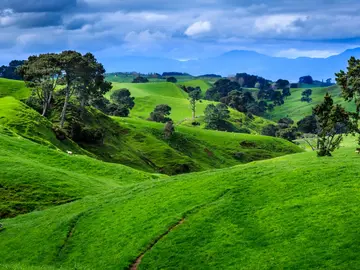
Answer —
(135, 265)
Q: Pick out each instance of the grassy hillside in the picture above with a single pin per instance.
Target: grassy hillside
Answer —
(292, 212)
(194, 83)
(296, 109)
(141, 144)
(34, 177)
(13, 88)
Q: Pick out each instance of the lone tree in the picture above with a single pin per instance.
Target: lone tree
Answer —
(171, 79)
(123, 102)
(216, 116)
(41, 74)
(306, 79)
(194, 96)
(169, 129)
(161, 113)
(333, 123)
(306, 95)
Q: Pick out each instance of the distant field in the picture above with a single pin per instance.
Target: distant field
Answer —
(296, 109)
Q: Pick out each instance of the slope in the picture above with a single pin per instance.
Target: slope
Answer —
(13, 88)
(296, 109)
(33, 177)
(292, 212)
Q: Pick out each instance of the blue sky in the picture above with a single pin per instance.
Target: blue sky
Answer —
(185, 29)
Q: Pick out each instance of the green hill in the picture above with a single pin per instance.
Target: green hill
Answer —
(194, 83)
(13, 88)
(292, 212)
(296, 109)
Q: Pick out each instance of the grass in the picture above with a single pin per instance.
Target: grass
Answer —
(16, 89)
(296, 109)
(204, 86)
(292, 212)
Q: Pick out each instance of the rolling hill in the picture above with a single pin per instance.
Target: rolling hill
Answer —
(295, 212)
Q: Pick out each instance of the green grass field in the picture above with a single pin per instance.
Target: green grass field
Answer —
(292, 212)
(13, 88)
(296, 109)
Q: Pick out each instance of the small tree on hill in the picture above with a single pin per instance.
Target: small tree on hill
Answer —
(169, 129)
(306, 95)
(333, 123)
(216, 116)
(123, 102)
(140, 79)
(194, 96)
(161, 113)
(171, 79)
(270, 130)
(308, 124)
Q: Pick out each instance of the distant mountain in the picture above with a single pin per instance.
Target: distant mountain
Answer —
(239, 61)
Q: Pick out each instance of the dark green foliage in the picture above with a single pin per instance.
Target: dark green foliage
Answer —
(285, 122)
(333, 123)
(294, 85)
(286, 92)
(161, 113)
(171, 79)
(308, 124)
(249, 81)
(10, 71)
(169, 129)
(306, 95)
(216, 116)
(306, 80)
(101, 103)
(221, 89)
(289, 133)
(270, 130)
(140, 79)
(123, 103)
(278, 98)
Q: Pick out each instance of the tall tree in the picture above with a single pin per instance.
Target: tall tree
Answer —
(70, 63)
(123, 101)
(161, 113)
(216, 116)
(91, 82)
(41, 73)
(194, 96)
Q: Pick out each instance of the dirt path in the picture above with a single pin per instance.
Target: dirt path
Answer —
(137, 262)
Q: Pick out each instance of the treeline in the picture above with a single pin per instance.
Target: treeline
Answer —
(10, 71)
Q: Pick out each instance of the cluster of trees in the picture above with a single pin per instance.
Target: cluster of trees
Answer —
(140, 79)
(10, 71)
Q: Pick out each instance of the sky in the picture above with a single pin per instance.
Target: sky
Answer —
(182, 30)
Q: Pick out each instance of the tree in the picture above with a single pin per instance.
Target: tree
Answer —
(221, 89)
(161, 113)
(140, 79)
(306, 95)
(169, 129)
(277, 98)
(171, 79)
(194, 96)
(10, 71)
(306, 80)
(333, 123)
(270, 130)
(286, 92)
(308, 124)
(70, 64)
(241, 101)
(91, 82)
(287, 133)
(349, 83)
(282, 84)
(285, 122)
(216, 116)
(41, 74)
(123, 101)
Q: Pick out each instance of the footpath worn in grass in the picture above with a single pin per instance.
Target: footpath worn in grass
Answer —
(293, 212)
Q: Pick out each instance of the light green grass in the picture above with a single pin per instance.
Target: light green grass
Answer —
(292, 212)
(14, 88)
(296, 109)
(204, 86)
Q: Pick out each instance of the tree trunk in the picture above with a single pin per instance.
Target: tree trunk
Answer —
(193, 114)
(47, 104)
(63, 113)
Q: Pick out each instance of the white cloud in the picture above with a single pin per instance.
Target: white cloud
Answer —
(198, 28)
(295, 53)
